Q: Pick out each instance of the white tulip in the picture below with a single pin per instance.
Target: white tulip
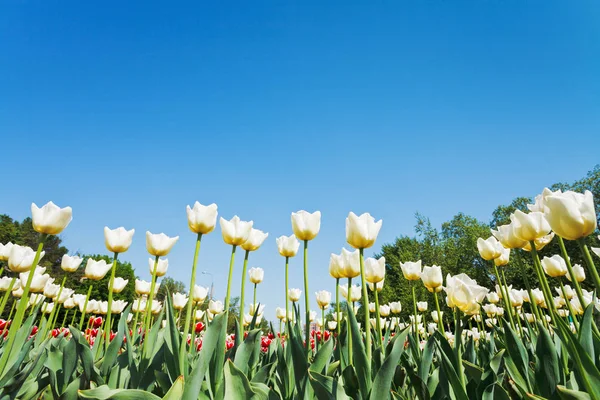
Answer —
(139, 305)
(118, 240)
(411, 270)
(579, 273)
(202, 219)
(256, 275)
(351, 263)
(69, 303)
(142, 287)
(374, 269)
(323, 298)
(200, 293)
(537, 296)
(255, 240)
(422, 306)
(103, 307)
(515, 297)
(159, 244)
(395, 307)
(92, 306)
(162, 265)
(65, 294)
(51, 290)
(256, 309)
(235, 232)
(38, 282)
(215, 307)
(378, 286)
(489, 248)
(287, 245)
(5, 251)
(118, 306)
(312, 315)
(504, 257)
(336, 266)
(354, 292)
(530, 226)
(435, 316)
(331, 325)
(179, 300)
(464, 292)
(540, 243)
(294, 294)
(79, 298)
(506, 236)
(554, 266)
(70, 263)
(96, 270)
(247, 319)
(571, 215)
(119, 284)
(384, 310)
(490, 310)
(305, 225)
(199, 315)
(21, 258)
(5, 282)
(432, 278)
(361, 232)
(156, 307)
(50, 219)
(47, 308)
(280, 313)
(36, 299)
(493, 297)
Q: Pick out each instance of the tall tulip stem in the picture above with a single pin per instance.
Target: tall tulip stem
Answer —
(589, 262)
(414, 297)
(85, 303)
(377, 319)
(111, 284)
(287, 267)
(188, 308)
(337, 306)
(254, 301)
(148, 316)
(242, 306)
(569, 307)
(365, 300)
(16, 324)
(543, 281)
(505, 296)
(5, 297)
(439, 314)
(350, 305)
(230, 276)
(565, 255)
(306, 302)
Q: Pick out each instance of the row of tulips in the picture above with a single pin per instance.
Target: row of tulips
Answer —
(507, 343)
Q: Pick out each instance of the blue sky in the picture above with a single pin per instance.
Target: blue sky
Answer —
(130, 111)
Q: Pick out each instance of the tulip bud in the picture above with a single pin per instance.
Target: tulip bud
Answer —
(179, 301)
(96, 270)
(374, 269)
(50, 219)
(162, 264)
(361, 232)
(202, 219)
(305, 225)
(411, 270)
(395, 307)
(118, 240)
(432, 278)
(554, 266)
(70, 263)
(323, 298)
(256, 275)
(287, 245)
(351, 263)
(435, 316)
(384, 310)
(422, 306)
(200, 293)
(159, 245)
(294, 294)
(571, 215)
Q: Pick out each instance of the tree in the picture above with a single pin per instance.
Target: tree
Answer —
(169, 285)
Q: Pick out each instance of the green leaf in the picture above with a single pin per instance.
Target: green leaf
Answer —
(176, 391)
(172, 340)
(237, 385)
(568, 394)
(383, 380)
(104, 393)
(360, 362)
(322, 358)
(518, 354)
(547, 372)
(495, 392)
(585, 332)
(450, 371)
(248, 350)
(115, 345)
(326, 388)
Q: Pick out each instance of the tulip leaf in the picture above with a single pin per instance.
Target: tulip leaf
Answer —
(322, 358)
(115, 345)
(237, 385)
(361, 362)
(383, 379)
(247, 353)
(518, 354)
(547, 372)
(172, 341)
(326, 387)
(568, 394)
(585, 332)
(176, 391)
(104, 393)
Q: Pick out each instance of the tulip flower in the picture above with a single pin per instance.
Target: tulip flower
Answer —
(179, 301)
(256, 309)
(65, 295)
(96, 270)
(280, 313)
(422, 306)
(332, 325)
(395, 307)
(537, 296)
(255, 240)
(464, 292)
(156, 307)
(323, 298)
(568, 292)
(374, 269)
(119, 284)
(235, 232)
(69, 303)
(256, 275)
(199, 315)
(493, 297)
(305, 225)
(47, 308)
(554, 266)
(50, 219)
(361, 232)
(118, 306)
(6, 283)
(385, 309)
(571, 215)
(215, 307)
(529, 227)
(432, 278)
(489, 248)
(579, 273)
(506, 236)
(202, 219)
(540, 243)
(503, 259)
(200, 293)
(312, 315)
(21, 258)
(5, 251)
(70, 263)
(336, 266)
(38, 283)
(50, 290)
(158, 267)
(436, 316)
(159, 245)
(294, 294)
(90, 307)
(351, 263)
(516, 299)
(142, 287)
(118, 240)
(352, 295)
(411, 270)
(287, 245)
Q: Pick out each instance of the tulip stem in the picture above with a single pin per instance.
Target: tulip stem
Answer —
(412, 286)
(148, 316)
(193, 333)
(543, 281)
(110, 298)
(350, 305)
(590, 263)
(231, 261)
(62, 325)
(323, 324)
(188, 310)
(505, 296)
(242, 297)
(83, 312)
(377, 319)
(565, 255)
(287, 267)
(306, 302)
(439, 314)
(337, 306)
(532, 301)
(573, 316)
(518, 318)
(57, 309)
(365, 300)
(16, 324)
(5, 297)
(254, 301)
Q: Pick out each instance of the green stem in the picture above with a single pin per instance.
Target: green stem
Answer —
(254, 301)
(519, 325)
(365, 300)
(192, 348)
(148, 316)
(337, 306)
(73, 318)
(590, 263)
(87, 298)
(377, 319)
(231, 261)
(505, 296)
(412, 287)
(188, 310)
(565, 255)
(8, 292)
(16, 324)
(306, 303)
(439, 314)
(64, 318)
(287, 267)
(543, 281)
(569, 307)
(242, 297)
(458, 344)
(110, 298)
(323, 325)
(350, 310)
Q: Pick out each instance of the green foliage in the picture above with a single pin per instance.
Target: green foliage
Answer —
(169, 285)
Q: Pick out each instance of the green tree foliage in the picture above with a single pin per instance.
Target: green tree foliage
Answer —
(169, 285)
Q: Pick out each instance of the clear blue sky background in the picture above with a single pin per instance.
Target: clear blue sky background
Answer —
(128, 111)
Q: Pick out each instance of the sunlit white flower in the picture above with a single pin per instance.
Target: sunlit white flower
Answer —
(294, 294)
(489, 248)
(179, 300)
(215, 306)
(323, 298)
(202, 219)
(395, 307)
(70, 263)
(50, 219)
(118, 240)
(119, 284)
(256, 275)
(411, 270)
(159, 244)
(422, 306)
(200, 293)
(362, 231)
(96, 270)
(374, 269)
(432, 278)
(162, 265)
(305, 225)
(530, 226)
(142, 287)
(5, 251)
(579, 273)
(235, 231)
(570, 214)
(287, 245)
(255, 240)
(21, 258)
(554, 266)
